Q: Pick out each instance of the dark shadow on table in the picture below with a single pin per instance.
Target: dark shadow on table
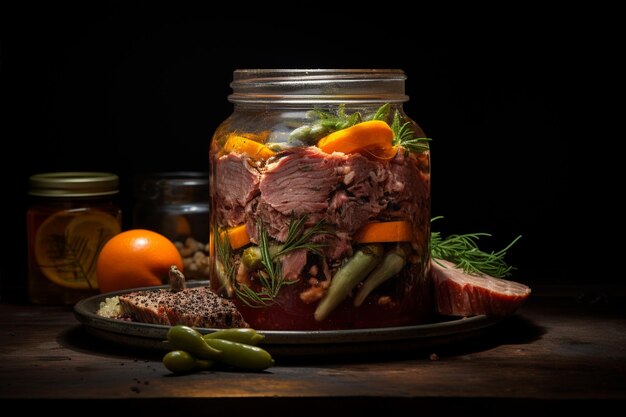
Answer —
(78, 339)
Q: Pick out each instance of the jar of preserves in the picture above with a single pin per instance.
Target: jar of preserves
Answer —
(320, 201)
(70, 218)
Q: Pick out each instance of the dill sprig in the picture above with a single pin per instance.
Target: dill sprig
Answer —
(403, 135)
(463, 251)
(271, 278)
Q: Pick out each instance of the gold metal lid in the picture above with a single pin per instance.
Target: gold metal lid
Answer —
(73, 184)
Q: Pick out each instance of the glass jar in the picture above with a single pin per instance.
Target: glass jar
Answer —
(320, 201)
(70, 218)
(176, 205)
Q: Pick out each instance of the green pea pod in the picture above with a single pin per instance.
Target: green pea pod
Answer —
(180, 362)
(242, 335)
(241, 356)
(190, 340)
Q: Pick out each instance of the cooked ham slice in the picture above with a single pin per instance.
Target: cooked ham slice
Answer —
(196, 307)
(461, 294)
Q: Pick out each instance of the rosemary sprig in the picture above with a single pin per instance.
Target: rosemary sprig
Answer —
(271, 278)
(463, 251)
(253, 299)
(382, 113)
(267, 260)
(298, 238)
(403, 135)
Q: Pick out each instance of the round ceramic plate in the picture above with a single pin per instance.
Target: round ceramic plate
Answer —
(152, 336)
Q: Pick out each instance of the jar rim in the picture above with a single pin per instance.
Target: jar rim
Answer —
(311, 86)
(319, 72)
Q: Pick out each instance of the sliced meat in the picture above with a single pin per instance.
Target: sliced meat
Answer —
(407, 190)
(461, 294)
(145, 306)
(275, 222)
(237, 183)
(301, 181)
(293, 263)
(363, 197)
(346, 191)
(195, 307)
(201, 307)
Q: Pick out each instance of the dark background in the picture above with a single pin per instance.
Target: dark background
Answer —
(107, 88)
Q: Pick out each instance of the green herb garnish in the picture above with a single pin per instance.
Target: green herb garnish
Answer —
(403, 135)
(298, 238)
(324, 123)
(271, 278)
(382, 113)
(463, 251)
(338, 121)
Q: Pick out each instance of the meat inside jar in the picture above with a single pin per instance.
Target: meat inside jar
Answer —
(322, 222)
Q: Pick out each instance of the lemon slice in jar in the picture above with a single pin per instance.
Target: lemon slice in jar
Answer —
(67, 246)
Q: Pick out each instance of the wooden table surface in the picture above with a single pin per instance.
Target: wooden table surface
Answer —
(556, 354)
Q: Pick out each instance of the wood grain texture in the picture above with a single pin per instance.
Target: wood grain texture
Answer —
(556, 354)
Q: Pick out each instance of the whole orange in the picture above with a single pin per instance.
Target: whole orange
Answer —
(136, 258)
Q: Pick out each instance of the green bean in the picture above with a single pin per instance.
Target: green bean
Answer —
(179, 361)
(392, 263)
(190, 340)
(242, 335)
(241, 356)
(347, 277)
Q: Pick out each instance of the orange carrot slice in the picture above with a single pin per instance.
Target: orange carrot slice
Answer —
(247, 146)
(396, 231)
(238, 236)
(373, 134)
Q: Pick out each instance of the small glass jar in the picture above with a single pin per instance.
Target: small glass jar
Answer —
(70, 218)
(320, 201)
(176, 205)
